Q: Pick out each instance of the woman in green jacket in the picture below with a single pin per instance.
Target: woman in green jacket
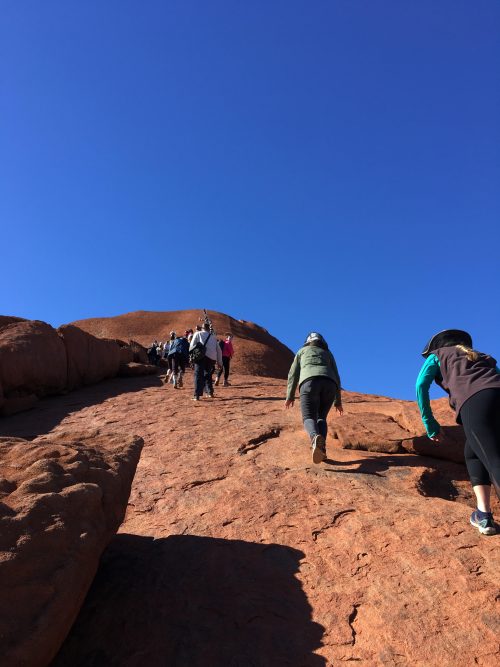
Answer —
(315, 372)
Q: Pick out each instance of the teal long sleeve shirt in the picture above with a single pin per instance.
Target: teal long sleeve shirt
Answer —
(428, 373)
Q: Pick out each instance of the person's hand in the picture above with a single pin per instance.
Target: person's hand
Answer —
(339, 409)
(289, 403)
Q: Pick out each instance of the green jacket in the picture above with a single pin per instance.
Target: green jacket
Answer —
(312, 361)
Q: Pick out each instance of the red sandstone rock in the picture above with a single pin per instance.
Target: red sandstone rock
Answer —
(256, 351)
(236, 549)
(90, 359)
(32, 360)
(61, 500)
(5, 320)
(134, 370)
(10, 406)
(381, 424)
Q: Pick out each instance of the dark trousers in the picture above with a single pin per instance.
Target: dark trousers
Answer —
(226, 363)
(480, 416)
(316, 399)
(203, 379)
(176, 363)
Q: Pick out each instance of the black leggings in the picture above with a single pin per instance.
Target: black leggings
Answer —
(316, 399)
(226, 363)
(480, 416)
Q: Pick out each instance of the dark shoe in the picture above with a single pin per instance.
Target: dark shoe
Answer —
(484, 524)
(196, 398)
(318, 449)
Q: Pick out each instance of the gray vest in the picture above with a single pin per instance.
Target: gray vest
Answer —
(462, 378)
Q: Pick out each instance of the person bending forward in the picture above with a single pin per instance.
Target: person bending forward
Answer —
(315, 372)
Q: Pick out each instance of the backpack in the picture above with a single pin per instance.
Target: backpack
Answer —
(199, 351)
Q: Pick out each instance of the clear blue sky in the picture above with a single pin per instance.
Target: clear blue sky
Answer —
(330, 165)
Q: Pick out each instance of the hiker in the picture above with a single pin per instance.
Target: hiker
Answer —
(169, 376)
(178, 356)
(315, 372)
(152, 353)
(472, 381)
(227, 349)
(205, 353)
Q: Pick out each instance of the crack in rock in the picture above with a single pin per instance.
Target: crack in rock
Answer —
(199, 482)
(259, 440)
(351, 619)
(332, 523)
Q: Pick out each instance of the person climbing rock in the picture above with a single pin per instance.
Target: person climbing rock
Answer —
(315, 372)
(226, 345)
(472, 381)
(178, 357)
(204, 367)
(170, 372)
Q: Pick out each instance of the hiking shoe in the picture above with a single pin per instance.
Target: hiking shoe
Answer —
(216, 383)
(318, 449)
(226, 384)
(484, 523)
(195, 398)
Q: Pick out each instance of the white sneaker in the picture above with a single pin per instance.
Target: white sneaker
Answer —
(318, 449)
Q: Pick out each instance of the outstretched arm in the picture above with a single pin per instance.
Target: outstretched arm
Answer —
(425, 378)
(293, 379)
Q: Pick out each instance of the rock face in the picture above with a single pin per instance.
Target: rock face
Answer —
(381, 424)
(89, 359)
(256, 351)
(37, 361)
(237, 550)
(5, 320)
(62, 498)
(32, 360)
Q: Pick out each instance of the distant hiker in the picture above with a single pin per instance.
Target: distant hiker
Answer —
(188, 334)
(170, 373)
(315, 372)
(227, 350)
(153, 353)
(472, 381)
(178, 356)
(204, 352)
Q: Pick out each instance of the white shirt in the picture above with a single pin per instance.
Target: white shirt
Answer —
(213, 350)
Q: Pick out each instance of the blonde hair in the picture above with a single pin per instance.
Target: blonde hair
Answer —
(471, 354)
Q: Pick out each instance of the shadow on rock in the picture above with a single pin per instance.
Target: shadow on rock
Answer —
(188, 601)
(439, 479)
(49, 412)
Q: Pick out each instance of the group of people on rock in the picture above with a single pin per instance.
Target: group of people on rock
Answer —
(200, 350)
(471, 379)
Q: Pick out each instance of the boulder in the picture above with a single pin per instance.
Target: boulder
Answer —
(392, 426)
(135, 370)
(62, 498)
(10, 406)
(32, 360)
(90, 359)
(139, 352)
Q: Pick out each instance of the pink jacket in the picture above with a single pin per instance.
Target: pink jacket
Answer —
(228, 350)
